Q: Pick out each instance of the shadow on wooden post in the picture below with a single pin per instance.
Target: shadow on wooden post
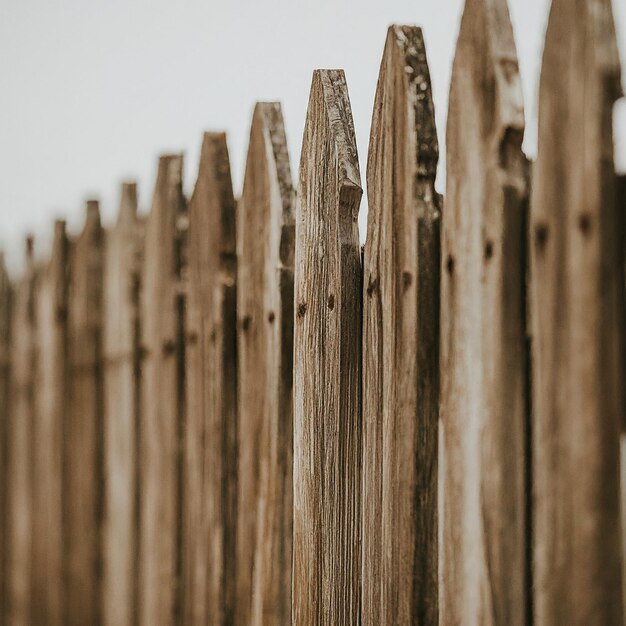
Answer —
(483, 335)
(51, 405)
(121, 373)
(400, 365)
(210, 513)
(162, 403)
(265, 310)
(327, 363)
(577, 290)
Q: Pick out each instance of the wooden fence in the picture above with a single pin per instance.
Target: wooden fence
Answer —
(224, 412)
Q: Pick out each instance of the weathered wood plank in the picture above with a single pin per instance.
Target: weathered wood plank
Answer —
(6, 304)
(401, 343)
(211, 387)
(484, 408)
(577, 328)
(327, 412)
(49, 471)
(121, 378)
(265, 249)
(83, 438)
(162, 402)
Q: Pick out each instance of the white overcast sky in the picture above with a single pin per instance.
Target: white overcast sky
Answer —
(92, 91)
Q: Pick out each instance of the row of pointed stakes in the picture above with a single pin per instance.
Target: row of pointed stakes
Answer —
(219, 414)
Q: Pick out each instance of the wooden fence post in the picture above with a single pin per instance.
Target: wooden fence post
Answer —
(51, 392)
(484, 407)
(211, 387)
(577, 291)
(6, 302)
(327, 347)
(162, 403)
(401, 343)
(265, 249)
(20, 458)
(83, 485)
(121, 373)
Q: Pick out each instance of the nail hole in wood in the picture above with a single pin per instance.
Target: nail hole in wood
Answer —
(407, 279)
(541, 234)
(331, 302)
(271, 317)
(488, 249)
(584, 223)
(301, 309)
(372, 286)
(245, 323)
(450, 265)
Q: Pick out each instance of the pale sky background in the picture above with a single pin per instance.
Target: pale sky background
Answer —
(92, 91)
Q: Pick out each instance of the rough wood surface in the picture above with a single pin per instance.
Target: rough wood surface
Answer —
(577, 329)
(6, 302)
(401, 343)
(51, 393)
(327, 354)
(162, 403)
(265, 248)
(83, 438)
(484, 409)
(211, 387)
(121, 378)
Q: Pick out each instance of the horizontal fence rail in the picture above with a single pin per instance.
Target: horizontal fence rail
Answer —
(224, 411)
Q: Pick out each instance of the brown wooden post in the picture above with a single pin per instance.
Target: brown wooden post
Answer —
(121, 377)
(20, 458)
(6, 303)
(577, 290)
(401, 343)
(484, 408)
(162, 403)
(83, 486)
(49, 471)
(211, 390)
(265, 243)
(327, 347)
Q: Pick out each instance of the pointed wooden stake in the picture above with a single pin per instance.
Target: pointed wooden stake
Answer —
(484, 408)
(162, 403)
(51, 405)
(20, 458)
(577, 290)
(265, 245)
(121, 372)
(401, 343)
(83, 484)
(211, 390)
(327, 347)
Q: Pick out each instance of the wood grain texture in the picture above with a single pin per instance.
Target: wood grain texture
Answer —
(577, 289)
(83, 438)
(20, 459)
(121, 379)
(327, 355)
(51, 405)
(401, 343)
(211, 389)
(484, 408)
(6, 303)
(162, 402)
(265, 250)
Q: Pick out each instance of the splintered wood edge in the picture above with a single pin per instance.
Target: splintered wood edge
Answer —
(170, 174)
(334, 92)
(271, 116)
(500, 47)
